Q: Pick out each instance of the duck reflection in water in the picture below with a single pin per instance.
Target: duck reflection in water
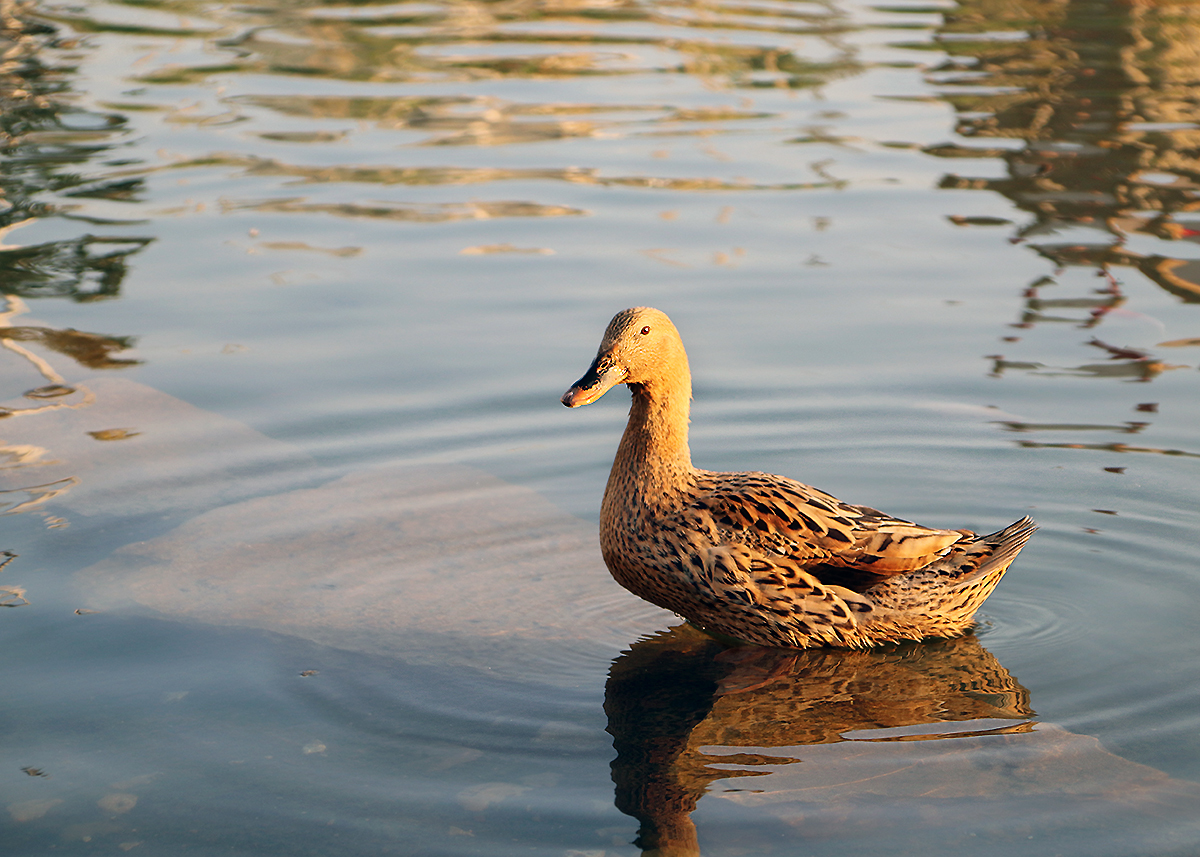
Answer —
(675, 695)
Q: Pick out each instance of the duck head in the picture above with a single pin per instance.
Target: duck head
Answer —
(642, 348)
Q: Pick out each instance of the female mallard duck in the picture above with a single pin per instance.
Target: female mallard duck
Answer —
(761, 558)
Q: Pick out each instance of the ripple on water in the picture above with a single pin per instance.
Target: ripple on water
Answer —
(429, 750)
(1030, 623)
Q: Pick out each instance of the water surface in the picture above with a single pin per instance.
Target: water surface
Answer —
(306, 543)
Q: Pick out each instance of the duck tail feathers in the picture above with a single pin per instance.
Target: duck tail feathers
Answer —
(1005, 544)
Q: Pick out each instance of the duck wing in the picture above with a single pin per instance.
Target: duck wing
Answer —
(773, 601)
(783, 517)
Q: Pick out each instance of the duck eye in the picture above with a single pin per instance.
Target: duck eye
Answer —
(645, 330)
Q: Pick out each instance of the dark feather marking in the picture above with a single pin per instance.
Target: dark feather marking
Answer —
(809, 522)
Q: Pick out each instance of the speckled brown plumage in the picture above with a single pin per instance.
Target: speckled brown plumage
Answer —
(761, 558)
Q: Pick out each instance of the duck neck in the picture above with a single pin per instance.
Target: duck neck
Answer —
(654, 449)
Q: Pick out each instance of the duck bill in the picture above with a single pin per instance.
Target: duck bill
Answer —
(600, 377)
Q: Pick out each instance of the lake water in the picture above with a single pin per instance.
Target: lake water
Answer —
(306, 552)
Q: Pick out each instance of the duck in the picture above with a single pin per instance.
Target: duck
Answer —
(754, 558)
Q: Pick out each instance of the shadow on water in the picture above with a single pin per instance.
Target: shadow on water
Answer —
(896, 746)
